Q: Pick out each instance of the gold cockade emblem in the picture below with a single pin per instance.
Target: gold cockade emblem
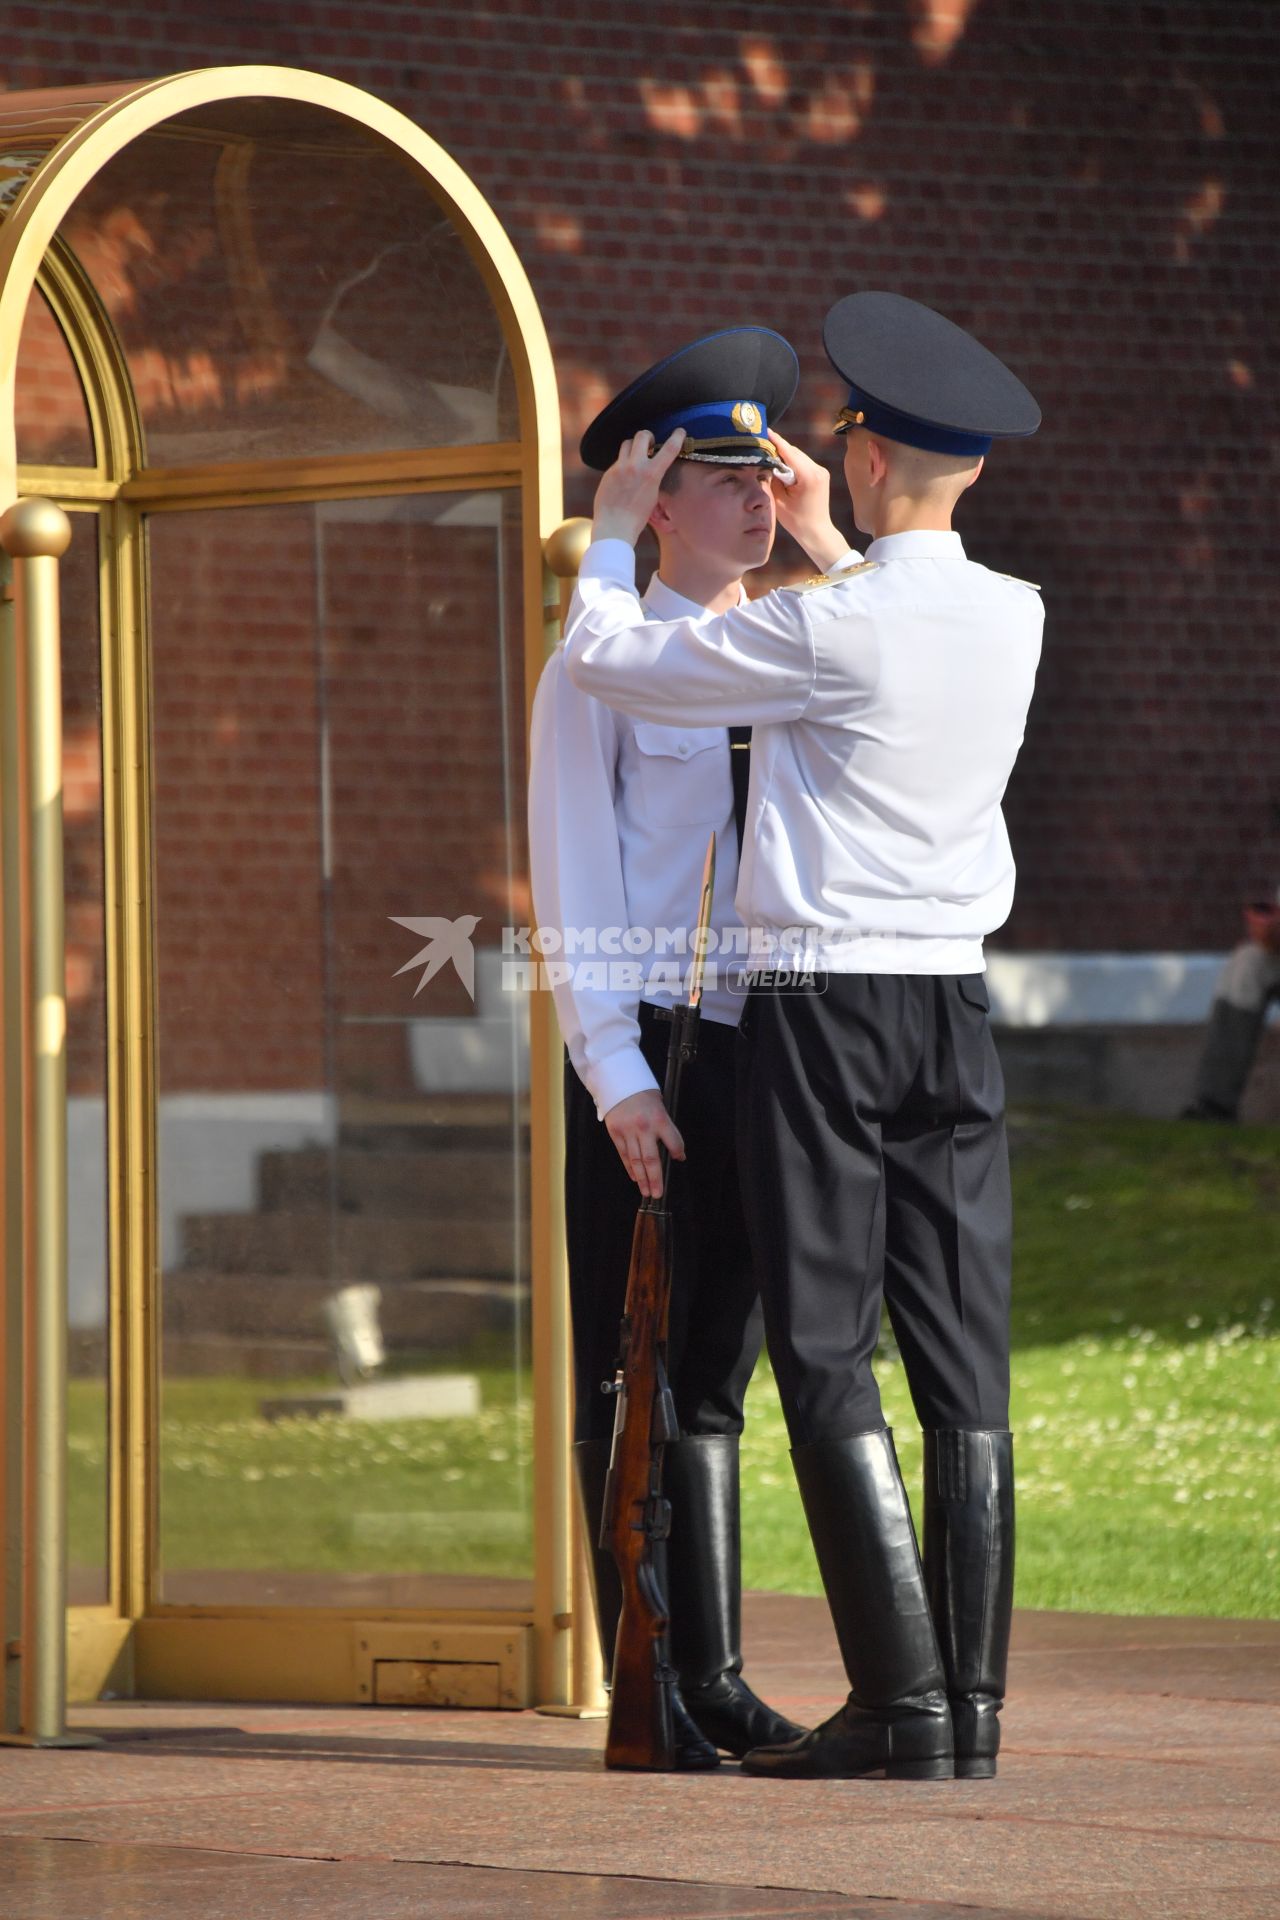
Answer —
(746, 417)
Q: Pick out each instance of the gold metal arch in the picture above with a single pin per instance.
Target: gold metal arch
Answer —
(56, 143)
(114, 117)
(115, 424)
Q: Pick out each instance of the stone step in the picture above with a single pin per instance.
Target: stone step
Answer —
(447, 1123)
(434, 1137)
(345, 1247)
(440, 1184)
(268, 1309)
(210, 1355)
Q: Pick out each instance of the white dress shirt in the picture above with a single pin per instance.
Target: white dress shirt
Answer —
(620, 812)
(887, 711)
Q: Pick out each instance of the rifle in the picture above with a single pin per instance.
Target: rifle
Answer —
(636, 1516)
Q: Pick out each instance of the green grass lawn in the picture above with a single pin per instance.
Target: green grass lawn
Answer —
(1146, 1383)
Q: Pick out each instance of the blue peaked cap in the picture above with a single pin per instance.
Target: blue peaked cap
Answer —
(917, 378)
(724, 390)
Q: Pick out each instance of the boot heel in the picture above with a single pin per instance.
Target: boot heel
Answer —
(943, 1769)
(976, 1767)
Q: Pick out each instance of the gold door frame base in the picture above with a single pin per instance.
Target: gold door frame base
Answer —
(314, 1660)
(99, 1654)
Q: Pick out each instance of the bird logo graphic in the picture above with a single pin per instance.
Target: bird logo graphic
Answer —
(446, 940)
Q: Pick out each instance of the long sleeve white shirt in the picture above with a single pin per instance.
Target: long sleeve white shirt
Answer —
(887, 711)
(620, 811)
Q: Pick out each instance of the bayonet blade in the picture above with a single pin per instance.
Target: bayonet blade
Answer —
(703, 931)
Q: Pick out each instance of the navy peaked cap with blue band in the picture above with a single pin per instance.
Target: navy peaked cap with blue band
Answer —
(917, 378)
(725, 390)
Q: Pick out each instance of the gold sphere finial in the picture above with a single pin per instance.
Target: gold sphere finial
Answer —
(565, 547)
(35, 529)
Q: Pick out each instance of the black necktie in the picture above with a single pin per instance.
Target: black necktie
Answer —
(740, 770)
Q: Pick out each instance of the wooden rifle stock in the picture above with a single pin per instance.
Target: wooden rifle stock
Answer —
(636, 1516)
(635, 1513)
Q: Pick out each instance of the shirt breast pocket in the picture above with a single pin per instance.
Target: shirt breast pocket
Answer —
(684, 774)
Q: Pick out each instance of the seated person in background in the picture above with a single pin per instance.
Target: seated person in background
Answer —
(1246, 986)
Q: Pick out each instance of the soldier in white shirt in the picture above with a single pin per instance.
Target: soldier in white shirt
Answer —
(620, 812)
(888, 704)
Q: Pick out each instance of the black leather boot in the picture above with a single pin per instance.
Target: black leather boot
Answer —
(694, 1754)
(704, 1561)
(896, 1720)
(968, 1572)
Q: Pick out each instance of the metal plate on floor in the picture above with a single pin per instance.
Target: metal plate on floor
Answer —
(436, 1683)
(443, 1664)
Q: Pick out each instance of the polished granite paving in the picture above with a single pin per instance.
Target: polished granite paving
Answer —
(1138, 1782)
(45, 1880)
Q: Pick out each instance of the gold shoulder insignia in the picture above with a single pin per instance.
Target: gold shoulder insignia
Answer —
(1020, 583)
(831, 579)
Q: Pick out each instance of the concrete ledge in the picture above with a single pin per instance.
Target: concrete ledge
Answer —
(1145, 1070)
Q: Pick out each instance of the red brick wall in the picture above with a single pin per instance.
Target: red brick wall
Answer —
(1092, 188)
(260, 964)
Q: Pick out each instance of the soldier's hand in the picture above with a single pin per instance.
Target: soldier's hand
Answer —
(804, 509)
(628, 492)
(636, 1126)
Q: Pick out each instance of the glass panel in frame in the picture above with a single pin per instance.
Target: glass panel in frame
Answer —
(346, 1413)
(87, 1243)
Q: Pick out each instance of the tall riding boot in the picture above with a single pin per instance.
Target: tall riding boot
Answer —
(1230, 1047)
(591, 1463)
(896, 1720)
(700, 1478)
(968, 1573)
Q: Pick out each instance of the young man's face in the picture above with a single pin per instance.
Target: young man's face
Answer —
(725, 514)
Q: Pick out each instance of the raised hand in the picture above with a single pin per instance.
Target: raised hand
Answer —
(628, 492)
(804, 508)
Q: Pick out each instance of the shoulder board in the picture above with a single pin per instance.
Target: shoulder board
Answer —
(831, 579)
(1020, 583)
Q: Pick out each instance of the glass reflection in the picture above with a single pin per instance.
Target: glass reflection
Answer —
(87, 1257)
(343, 1174)
(252, 331)
(51, 416)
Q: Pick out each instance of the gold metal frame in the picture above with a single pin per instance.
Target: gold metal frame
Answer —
(133, 1639)
(35, 533)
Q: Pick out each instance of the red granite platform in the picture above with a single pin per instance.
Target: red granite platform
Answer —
(1138, 1783)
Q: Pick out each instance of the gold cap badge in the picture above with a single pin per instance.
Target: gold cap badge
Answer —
(746, 417)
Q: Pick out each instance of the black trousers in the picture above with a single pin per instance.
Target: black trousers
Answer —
(715, 1324)
(875, 1169)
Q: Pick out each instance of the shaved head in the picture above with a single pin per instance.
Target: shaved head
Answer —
(914, 471)
(892, 485)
